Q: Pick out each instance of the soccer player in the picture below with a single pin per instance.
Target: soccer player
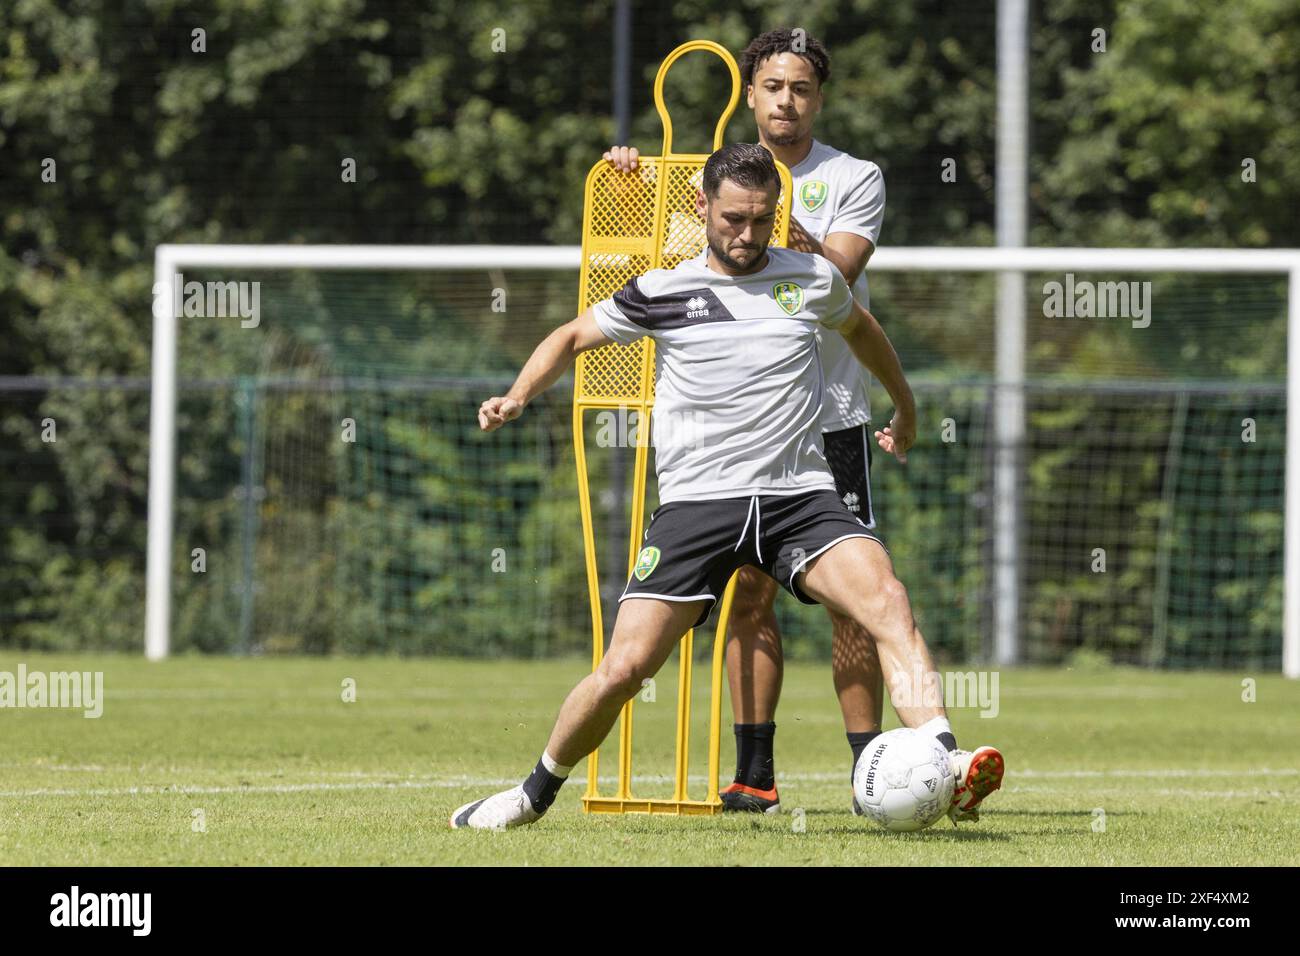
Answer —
(837, 209)
(747, 482)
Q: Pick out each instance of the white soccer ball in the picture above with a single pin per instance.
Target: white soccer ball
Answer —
(904, 780)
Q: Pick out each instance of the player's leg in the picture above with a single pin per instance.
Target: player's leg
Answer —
(754, 660)
(690, 552)
(859, 685)
(645, 632)
(855, 668)
(825, 555)
(855, 577)
(855, 671)
(754, 671)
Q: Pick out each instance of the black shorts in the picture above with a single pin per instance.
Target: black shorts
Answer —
(848, 452)
(693, 547)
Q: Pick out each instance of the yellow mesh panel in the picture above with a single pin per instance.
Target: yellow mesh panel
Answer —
(620, 241)
(632, 223)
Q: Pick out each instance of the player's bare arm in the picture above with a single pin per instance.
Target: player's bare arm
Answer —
(871, 345)
(547, 363)
(846, 251)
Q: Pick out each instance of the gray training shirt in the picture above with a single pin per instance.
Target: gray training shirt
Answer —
(835, 192)
(738, 373)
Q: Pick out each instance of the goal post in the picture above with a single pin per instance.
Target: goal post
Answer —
(170, 261)
(888, 264)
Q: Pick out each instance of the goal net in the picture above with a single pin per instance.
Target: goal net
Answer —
(328, 463)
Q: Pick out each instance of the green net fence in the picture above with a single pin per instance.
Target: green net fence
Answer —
(334, 493)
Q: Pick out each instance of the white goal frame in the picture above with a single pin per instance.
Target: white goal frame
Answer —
(1009, 422)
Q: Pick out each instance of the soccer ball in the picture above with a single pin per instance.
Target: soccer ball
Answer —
(904, 780)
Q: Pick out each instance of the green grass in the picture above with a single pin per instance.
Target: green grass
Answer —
(285, 772)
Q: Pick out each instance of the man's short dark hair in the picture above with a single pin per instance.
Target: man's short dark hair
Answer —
(774, 43)
(745, 164)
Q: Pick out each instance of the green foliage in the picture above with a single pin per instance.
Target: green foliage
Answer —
(457, 141)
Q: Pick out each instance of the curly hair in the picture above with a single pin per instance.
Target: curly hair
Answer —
(774, 43)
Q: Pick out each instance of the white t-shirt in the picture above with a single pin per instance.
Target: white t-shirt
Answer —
(834, 192)
(738, 372)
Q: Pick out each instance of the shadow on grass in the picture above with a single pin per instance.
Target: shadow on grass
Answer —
(935, 834)
(1087, 814)
(852, 828)
(992, 813)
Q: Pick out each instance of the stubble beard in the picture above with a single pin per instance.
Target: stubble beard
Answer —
(720, 253)
(783, 139)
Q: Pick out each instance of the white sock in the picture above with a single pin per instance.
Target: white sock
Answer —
(935, 726)
(554, 768)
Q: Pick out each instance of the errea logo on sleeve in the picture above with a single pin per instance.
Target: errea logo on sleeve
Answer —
(696, 307)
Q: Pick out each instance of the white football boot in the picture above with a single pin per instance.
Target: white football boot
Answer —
(979, 773)
(501, 811)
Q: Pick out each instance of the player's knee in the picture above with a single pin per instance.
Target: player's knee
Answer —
(749, 610)
(894, 594)
(621, 678)
(753, 598)
(884, 602)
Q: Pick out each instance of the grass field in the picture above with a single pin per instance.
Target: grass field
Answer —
(260, 761)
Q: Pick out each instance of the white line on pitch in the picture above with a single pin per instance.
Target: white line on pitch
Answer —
(469, 783)
(1153, 772)
(434, 784)
(465, 781)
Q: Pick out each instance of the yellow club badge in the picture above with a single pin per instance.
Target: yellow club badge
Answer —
(789, 296)
(812, 194)
(646, 562)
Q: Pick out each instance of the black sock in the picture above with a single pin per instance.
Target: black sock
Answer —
(948, 740)
(754, 755)
(542, 787)
(859, 743)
